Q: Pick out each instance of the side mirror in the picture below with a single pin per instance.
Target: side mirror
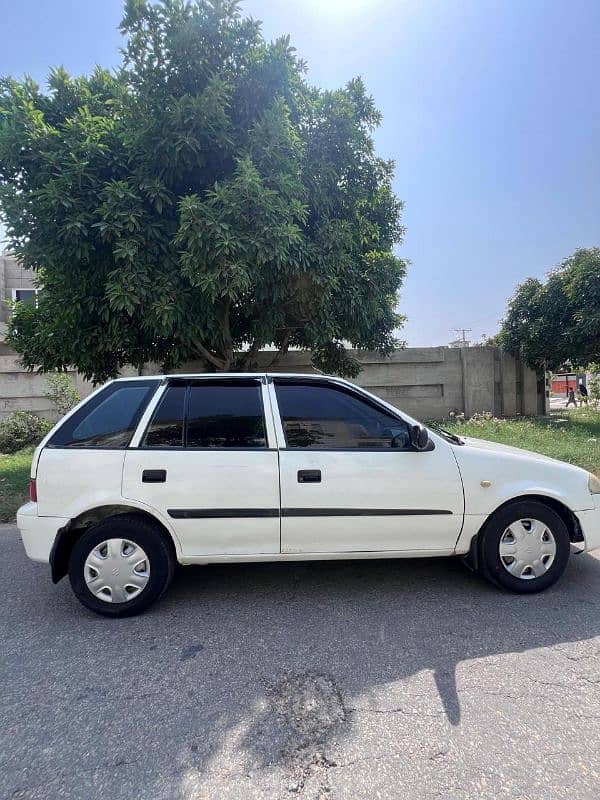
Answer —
(419, 438)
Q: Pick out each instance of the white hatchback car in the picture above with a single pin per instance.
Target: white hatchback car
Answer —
(198, 469)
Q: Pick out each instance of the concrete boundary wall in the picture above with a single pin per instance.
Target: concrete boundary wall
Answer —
(427, 382)
(432, 382)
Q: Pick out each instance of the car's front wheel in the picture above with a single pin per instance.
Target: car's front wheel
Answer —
(524, 547)
(120, 566)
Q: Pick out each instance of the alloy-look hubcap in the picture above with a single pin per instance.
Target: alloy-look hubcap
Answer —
(116, 570)
(527, 549)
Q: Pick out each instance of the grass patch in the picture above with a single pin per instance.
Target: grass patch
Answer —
(572, 436)
(14, 482)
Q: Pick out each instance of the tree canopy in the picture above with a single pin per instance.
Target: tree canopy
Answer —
(203, 201)
(557, 321)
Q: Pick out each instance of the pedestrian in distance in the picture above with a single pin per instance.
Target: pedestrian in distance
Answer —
(571, 399)
(583, 394)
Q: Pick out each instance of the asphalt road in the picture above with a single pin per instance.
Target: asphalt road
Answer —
(399, 679)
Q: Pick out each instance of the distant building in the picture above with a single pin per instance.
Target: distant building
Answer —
(562, 382)
(459, 343)
(16, 283)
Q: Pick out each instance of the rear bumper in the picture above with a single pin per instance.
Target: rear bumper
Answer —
(590, 526)
(38, 533)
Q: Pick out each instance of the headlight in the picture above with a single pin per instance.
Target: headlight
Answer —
(594, 484)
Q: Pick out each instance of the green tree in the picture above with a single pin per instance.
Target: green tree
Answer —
(557, 321)
(204, 201)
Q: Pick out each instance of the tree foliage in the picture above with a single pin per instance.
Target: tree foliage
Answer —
(61, 392)
(202, 201)
(557, 321)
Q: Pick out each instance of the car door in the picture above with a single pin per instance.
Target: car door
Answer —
(351, 482)
(207, 461)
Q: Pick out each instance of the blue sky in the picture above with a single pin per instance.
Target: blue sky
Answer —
(490, 109)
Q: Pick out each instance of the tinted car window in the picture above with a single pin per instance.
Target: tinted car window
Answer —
(225, 415)
(108, 419)
(166, 428)
(325, 417)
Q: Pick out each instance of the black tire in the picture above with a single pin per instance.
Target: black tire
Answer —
(142, 532)
(490, 562)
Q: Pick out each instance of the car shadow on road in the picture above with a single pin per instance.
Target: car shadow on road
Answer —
(312, 638)
(326, 631)
(278, 657)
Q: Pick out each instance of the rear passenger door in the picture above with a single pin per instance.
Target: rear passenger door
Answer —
(207, 461)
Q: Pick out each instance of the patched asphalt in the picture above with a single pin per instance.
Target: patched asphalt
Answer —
(320, 681)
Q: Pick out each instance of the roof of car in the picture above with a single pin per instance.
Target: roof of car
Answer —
(213, 375)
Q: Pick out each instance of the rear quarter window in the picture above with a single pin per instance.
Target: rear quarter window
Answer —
(108, 419)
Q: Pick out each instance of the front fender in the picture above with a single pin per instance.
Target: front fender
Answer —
(491, 478)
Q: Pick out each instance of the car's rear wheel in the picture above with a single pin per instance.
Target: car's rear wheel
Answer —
(524, 547)
(120, 566)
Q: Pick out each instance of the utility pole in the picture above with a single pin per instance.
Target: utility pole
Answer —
(462, 332)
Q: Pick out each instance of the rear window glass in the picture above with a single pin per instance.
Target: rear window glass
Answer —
(225, 415)
(108, 419)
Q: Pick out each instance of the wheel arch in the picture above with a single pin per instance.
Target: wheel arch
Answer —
(69, 533)
(564, 512)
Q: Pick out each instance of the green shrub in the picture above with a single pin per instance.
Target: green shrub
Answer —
(61, 392)
(20, 429)
(594, 386)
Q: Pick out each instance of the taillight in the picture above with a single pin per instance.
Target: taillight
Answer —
(32, 491)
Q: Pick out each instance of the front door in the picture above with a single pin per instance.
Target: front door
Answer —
(350, 481)
(205, 464)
